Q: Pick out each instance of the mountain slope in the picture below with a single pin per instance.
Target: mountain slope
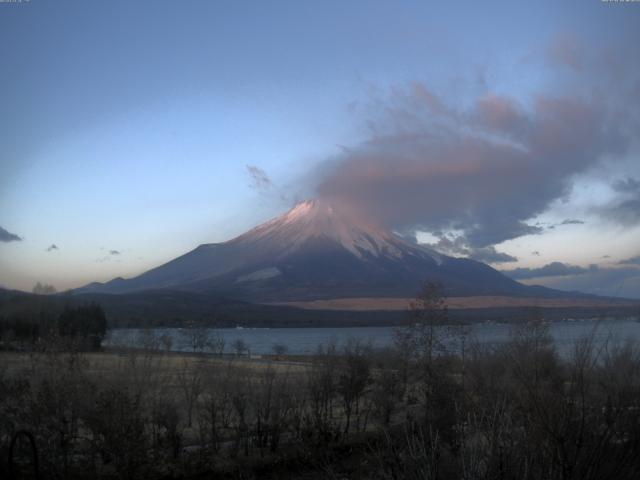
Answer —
(316, 251)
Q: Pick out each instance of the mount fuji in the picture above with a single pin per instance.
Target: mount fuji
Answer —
(318, 251)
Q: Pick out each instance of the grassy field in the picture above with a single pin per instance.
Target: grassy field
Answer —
(509, 411)
(112, 363)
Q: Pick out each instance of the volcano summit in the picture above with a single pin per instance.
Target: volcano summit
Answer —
(317, 251)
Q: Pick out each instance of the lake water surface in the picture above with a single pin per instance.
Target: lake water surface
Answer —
(305, 341)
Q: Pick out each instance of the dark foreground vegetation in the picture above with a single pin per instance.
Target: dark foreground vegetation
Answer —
(514, 412)
(416, 411)
(81, 327)
(420, 410)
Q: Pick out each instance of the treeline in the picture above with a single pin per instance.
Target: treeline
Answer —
(421, 410)
(84, 326)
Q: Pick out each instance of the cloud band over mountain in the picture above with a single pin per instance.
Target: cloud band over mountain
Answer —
(622, 279)
(553, 269)
(482, 171)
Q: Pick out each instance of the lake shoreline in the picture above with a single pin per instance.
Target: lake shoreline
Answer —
(307, 340)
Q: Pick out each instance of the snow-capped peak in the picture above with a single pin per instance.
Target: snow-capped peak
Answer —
(319, 219)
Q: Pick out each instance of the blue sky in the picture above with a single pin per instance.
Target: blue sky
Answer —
(129, 127)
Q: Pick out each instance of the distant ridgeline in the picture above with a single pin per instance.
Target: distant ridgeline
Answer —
(27, 315)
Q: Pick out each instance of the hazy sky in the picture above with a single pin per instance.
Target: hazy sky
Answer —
(131, 132)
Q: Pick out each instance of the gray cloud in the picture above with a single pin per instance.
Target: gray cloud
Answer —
(259, 178)
(565, 50)
(617, 282)
(109, 256)
(483, 171)
(261, 182)
(449, 245)
(622, 281)
(52, 247)
(458, 246)
(552, 269)
(485, 165)
(630, 261)
(6, 236)
(491, 255)
(625, 209)
(626, 212)
(627, 185)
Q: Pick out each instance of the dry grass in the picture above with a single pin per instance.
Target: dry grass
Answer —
(368, 304)
(113, 364)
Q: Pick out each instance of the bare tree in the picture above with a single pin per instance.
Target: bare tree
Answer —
(353, 379)
(196, 338)
(166, 342)
(387, 393)
(241, 393)
(147, 339)
(216, 343)
(322, 382)
(428, 314)
(117, 424)
(165, 424)
(190, 381)
(216, 409)
(279, 349)
(239, 346)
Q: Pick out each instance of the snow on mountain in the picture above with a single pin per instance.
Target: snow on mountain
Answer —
(313, 219)
(316, 250)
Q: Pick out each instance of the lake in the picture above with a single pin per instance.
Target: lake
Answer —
(305, 341)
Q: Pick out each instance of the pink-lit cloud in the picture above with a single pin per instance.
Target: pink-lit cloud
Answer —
(566, 50)
(483, 171)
